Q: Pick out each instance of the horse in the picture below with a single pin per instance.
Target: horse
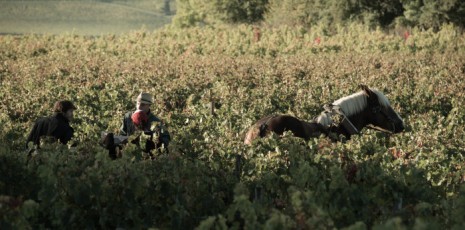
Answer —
(346, 116)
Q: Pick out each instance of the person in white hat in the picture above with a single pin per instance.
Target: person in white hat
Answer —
(143, 104)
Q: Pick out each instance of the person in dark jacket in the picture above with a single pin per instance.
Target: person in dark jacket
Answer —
(55, 127)
(139, 127)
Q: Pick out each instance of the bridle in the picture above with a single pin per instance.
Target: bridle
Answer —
(349, 127)
(378, 109)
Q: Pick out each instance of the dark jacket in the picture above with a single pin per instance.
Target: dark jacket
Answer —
(56, 126)
(128, 127)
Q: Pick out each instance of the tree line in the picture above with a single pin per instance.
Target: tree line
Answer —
(424, 14)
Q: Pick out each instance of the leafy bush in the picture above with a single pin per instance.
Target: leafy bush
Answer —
(310, 13)
(201, 12)
(428, 14)
(433, 14)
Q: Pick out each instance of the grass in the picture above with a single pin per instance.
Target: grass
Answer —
(81, 17)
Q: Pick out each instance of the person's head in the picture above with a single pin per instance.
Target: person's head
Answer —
(66, 108)
(140, 119)
(144, 101)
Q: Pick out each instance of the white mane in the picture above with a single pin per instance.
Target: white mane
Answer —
(351, 105)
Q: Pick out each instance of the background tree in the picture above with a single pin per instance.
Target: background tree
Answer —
(432, 14)
(330, 13)
(195, 12)
(167, 7)
(296, 12)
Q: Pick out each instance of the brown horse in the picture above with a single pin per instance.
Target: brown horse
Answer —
(346, 116)
(280, 123)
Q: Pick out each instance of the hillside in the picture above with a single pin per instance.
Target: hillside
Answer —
(81, 17)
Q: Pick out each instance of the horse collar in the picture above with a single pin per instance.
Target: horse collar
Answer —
(344, 121)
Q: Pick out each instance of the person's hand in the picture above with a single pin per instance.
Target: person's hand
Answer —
(149, 146)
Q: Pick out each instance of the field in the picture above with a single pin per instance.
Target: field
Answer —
(210, 179)
(85, 17)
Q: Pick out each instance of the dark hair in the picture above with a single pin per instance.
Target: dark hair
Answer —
(63, 106)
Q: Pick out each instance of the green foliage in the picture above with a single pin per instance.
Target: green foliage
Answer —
(209, 86)
(201, 12)
(82, 190)
(330, 13)
(433, 14)
(299, 12)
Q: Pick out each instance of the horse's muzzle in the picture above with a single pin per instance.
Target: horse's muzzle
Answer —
(399, 127)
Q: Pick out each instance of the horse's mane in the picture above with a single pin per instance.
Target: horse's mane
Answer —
(352, 104)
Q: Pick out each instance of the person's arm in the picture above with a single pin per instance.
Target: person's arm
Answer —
(153, 118)
(34, 135)
(164, 135)
(60, 130)
(66, 135)
(127, 128)
(122, 129)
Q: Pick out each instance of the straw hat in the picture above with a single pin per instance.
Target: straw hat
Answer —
(145, 98)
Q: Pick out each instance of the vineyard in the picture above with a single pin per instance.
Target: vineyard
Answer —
(210, 85)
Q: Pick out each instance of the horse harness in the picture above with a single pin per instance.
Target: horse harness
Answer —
(264, 126)
(350, 128)
(332, 110)
(377, 109)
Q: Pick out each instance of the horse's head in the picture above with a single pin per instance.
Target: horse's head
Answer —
(380, 113)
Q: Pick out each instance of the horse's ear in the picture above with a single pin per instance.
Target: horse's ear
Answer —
(366, 89)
